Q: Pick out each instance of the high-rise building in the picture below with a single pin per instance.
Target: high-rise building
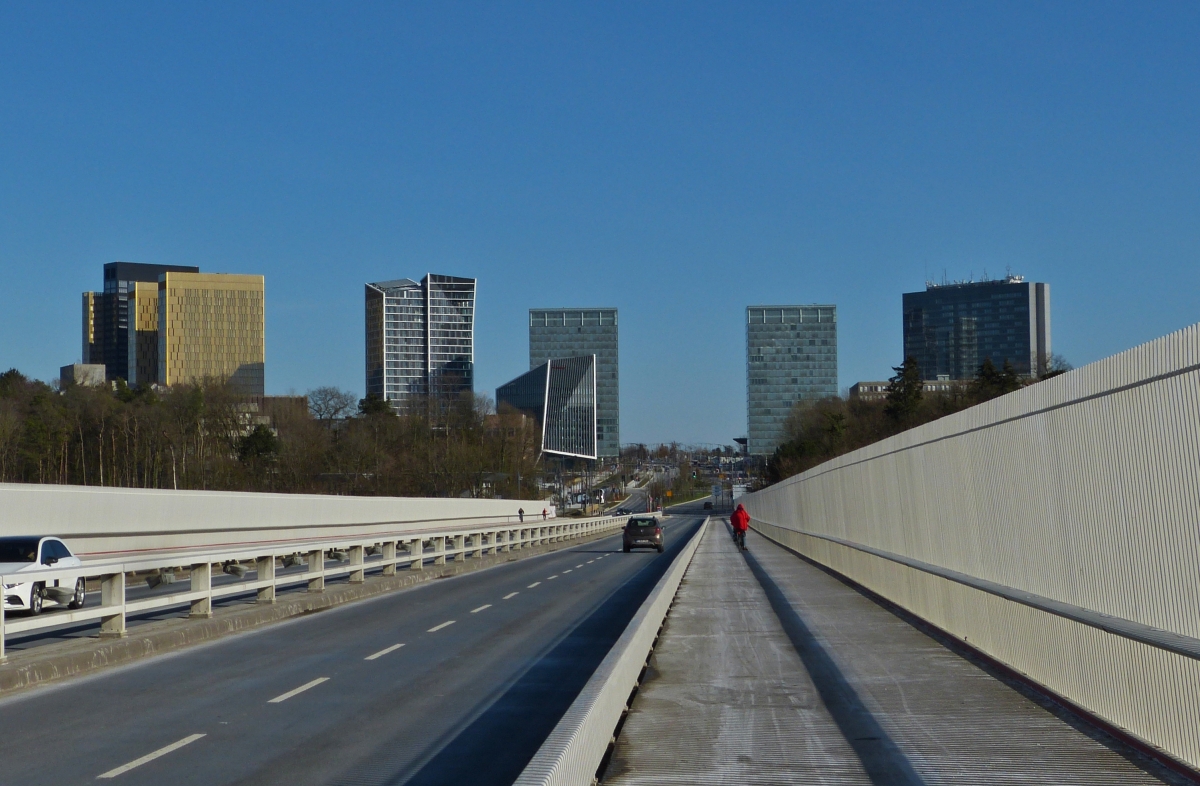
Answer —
(143, 334)
(560, 395)
(580, 332)
(420, 337)
(791, 356)
(950, 329)
(106, 314)
(212, 326)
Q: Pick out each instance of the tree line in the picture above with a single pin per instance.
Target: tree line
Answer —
(817, 431)
(207, 436)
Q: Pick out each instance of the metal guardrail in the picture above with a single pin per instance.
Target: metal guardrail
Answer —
(572, 753)
(398, 549)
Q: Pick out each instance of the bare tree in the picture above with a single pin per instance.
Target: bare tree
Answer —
(330, 403)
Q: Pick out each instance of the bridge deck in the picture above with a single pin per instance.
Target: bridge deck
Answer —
(770, 671)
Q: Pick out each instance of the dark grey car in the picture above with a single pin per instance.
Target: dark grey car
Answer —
(643, 532)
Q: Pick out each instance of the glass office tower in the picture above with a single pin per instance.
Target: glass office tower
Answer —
(106, 314)
(791, 356)
(581, 332)
(950, 329)
(560, 395)
(420, 337)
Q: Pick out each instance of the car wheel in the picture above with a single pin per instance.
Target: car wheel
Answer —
(35, 600)
(626, 549)
(660, 549)
(80, 595)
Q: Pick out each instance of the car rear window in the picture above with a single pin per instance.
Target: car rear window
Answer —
(643, 523)
(18, 549)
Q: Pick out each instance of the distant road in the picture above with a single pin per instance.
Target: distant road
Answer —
(455, 681)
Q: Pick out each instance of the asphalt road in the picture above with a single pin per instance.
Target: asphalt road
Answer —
(450, 682)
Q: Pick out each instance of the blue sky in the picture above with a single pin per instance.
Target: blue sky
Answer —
(677, 160)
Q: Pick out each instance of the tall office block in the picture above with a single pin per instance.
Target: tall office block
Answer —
(950, 329)
(143, 334)
(580, 332)
(212, 326)
(560, 395)
(791, 356)
(420, 337)
(106, 314)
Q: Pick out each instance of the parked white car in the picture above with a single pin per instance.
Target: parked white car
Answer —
(31, 554)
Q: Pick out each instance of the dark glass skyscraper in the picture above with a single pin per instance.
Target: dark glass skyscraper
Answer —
(791, 356)
(581, 332)
(420, 337)
(950, 329)
(106, 314)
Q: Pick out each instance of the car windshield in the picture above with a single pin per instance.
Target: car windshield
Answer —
(18, 549)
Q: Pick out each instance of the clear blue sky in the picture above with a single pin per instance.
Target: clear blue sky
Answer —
(678, 161)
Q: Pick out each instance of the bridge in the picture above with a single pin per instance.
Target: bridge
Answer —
(1006, 595)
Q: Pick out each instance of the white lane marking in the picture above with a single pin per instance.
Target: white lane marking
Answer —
(174, 746)
(551, 578)
(568, 570)
(381, 653)
(301, 689)
(534, 584)
(481, 608)
(591, 561)
(579, 566)
(436, 628)
(509, 595)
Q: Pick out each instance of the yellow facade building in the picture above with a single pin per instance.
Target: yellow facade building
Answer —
(212, 326)
(143, 333)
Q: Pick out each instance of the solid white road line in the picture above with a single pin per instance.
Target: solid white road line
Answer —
(509, 595)
(381, 653)
(481, 608)
(174, 746)
(534, 584)
(436, 628)
(301, 689)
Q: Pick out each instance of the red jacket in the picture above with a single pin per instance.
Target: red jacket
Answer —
(740, 519)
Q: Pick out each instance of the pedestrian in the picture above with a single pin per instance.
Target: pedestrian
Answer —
(521, 515)
(741, 522)
(543, 514)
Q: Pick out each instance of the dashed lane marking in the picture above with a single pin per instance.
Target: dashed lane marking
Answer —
(174, 746)
(509, 595)
(534, 584)
(436, 628)
(285, 696)
(481, 608)
(551, 578)
(381, 653)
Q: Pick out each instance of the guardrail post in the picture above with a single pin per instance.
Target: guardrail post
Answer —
(266, 572)
(477, 546)
(112, 594)
(459, 554)
(505, 540)
(416, 547)
(316, 564)
(201, 608)
(439, 548)
(389, 558)
(3, 657)
(356, 559)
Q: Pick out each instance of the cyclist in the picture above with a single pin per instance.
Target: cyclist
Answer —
(741, 522)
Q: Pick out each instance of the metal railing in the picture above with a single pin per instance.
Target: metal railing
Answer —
(394, 550)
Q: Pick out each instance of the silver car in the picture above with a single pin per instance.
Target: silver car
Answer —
(29, 554)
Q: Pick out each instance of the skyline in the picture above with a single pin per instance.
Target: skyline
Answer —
(678, 168)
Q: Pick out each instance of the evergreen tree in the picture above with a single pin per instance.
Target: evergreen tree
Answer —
(904, 391)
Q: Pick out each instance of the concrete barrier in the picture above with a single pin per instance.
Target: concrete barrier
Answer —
(114, 522)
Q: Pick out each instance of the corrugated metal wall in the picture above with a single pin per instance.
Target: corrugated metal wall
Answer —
(1083, 489)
